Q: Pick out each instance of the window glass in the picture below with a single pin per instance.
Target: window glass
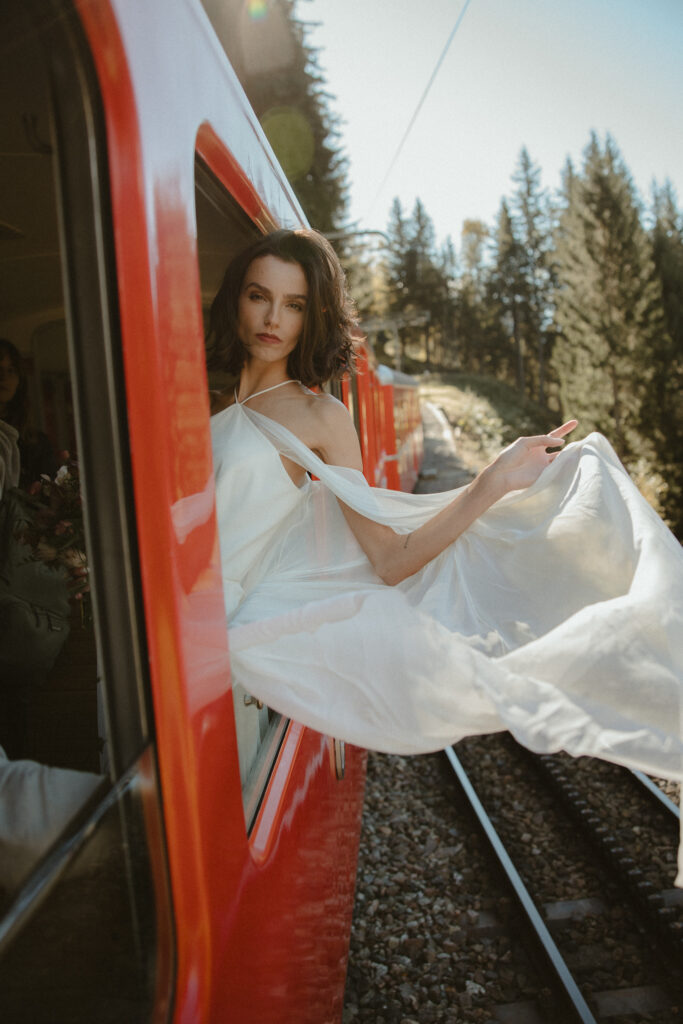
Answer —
(78, 915)
(53, 737)
(223, 229)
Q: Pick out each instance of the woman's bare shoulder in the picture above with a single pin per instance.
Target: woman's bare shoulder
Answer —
(328, 412)
(336, 438)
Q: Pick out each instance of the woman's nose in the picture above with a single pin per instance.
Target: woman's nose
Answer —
(272, 314)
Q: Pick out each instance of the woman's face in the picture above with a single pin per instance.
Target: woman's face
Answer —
(271, 308)
(9, 380)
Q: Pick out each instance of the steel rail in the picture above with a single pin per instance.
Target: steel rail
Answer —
(575, 1006)
(658, 794)
(653, 904)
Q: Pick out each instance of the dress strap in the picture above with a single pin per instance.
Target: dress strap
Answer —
(263, 392)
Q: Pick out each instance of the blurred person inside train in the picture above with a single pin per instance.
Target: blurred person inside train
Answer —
(36, 800)
(545, 597)
(35, 452)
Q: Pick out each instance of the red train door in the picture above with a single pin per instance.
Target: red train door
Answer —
(191, 875)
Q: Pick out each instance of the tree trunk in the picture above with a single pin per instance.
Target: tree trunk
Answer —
(541, 369)
(519, 347)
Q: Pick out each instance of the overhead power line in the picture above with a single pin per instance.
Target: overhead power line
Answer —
(423, 97)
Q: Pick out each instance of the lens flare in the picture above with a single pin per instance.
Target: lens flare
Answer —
(291, 137)
(257, 9)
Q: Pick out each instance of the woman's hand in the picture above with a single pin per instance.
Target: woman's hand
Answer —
(395, 556)
(521, 463)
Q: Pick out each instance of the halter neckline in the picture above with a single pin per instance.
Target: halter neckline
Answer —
(264, 390)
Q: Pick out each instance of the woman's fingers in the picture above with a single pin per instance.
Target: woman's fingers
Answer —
(543, 441)
(554, 437)
(564, 429)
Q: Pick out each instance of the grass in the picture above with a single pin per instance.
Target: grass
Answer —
(486, 414)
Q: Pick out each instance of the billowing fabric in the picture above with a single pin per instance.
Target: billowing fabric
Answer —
(557, 615)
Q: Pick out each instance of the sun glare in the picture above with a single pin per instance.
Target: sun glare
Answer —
(257, 9)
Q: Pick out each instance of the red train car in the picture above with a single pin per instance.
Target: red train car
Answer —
(401, 430)
(385, 405)
(168, 848)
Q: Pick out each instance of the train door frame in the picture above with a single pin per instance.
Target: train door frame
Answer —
(226, 886)
(89, 282)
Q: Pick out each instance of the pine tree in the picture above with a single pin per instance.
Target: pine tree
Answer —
(664, 410)
(399, 262)
(398, 259)
(609, 308)
(426, 284)
(418, 284)
(667, 240)
(469, 313)
(532, 229)
(505, 294)
(444, 304)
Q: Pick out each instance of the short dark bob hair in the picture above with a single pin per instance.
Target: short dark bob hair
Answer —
(325, 349)
(16, 412)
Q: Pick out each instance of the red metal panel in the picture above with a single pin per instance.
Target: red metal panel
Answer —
(391, 457)
(366, 413)
(261, 927)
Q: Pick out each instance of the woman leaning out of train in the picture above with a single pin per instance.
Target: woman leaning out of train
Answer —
(545, 597)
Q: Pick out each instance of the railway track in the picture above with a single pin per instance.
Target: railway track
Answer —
(603, 926)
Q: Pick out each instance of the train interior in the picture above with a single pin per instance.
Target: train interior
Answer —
(71, 818)
(57, 723)
(84, 889)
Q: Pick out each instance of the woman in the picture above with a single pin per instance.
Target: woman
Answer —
(544, 597)
(9, 435)
(35, 451)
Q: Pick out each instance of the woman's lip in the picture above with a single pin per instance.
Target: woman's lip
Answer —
(272, 339)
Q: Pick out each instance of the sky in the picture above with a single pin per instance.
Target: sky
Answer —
(540, 73)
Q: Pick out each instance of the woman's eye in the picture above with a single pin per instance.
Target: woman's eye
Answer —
(296, 306)
(254, 296)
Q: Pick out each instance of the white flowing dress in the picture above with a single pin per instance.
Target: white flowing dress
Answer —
(557, 615)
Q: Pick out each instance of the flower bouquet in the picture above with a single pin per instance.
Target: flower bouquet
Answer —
(54, 529)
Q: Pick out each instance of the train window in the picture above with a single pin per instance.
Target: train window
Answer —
(223, 229)
(79, 906)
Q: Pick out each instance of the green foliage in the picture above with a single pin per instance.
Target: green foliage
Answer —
(418, 281)
(281, 76)
(664, 410)
(609, 308)
(532, 229)
(667, 244)
(504, 298)
(518, 414)
(575, 302)
(487, 414)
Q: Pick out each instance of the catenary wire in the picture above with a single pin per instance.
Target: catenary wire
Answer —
(423, 97)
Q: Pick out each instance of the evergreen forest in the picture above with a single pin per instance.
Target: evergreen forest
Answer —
(573, 300)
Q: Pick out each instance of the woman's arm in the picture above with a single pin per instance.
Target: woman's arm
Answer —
(397, 556)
